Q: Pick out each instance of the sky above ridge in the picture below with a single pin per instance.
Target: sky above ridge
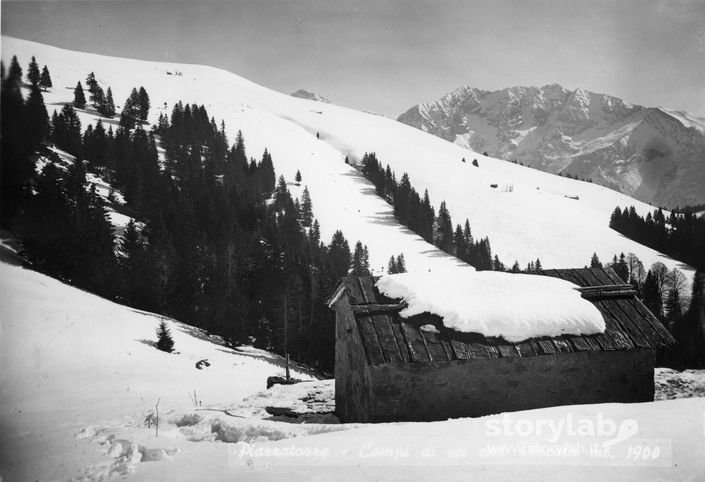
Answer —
(386, 56)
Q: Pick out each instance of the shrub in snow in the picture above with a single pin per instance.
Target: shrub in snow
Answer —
(164, 340)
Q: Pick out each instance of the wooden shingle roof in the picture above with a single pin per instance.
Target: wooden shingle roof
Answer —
(389, 338)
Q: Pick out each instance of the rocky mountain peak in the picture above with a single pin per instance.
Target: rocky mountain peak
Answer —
(654, 154)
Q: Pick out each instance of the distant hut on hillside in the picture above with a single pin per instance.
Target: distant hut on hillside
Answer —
(388, 368)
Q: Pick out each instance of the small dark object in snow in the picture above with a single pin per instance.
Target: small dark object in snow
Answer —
(474, 163)
(271, 381)
(202, 363)
(493, 185)
(278, 411)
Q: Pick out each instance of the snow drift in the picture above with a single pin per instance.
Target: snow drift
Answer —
(512, 306)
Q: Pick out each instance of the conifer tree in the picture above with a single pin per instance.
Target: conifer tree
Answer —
(143, 102)
(497, 265)
(652, 296)
(339, 254)
(306, 208)
(315, 234)
(281, 194)
(266, 167)
(16, 165)
(467, 234)
(33, 74)
(444, 230)
(14, 73)
(360, 266)
(96, 95)
(133, 267)
(297, 179)
(36, 118)
(130, 114)
(164, 340)
(620, 267)
(461, 249)
(108, 105)
(392, 265)
(79, 99)
(45, 80)
(401, 263)
(67, 131)
(595, 261)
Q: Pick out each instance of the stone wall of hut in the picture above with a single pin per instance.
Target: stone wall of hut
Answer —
(471, 388)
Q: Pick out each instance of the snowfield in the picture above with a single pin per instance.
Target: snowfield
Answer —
(82, 386)
(81, 380)
(529, 215)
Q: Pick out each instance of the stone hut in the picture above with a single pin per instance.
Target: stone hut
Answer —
(388, 368)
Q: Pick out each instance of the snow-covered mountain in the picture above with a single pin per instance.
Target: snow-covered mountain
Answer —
(80, 381)
(305, 94)
(653, 154)
(529, 214)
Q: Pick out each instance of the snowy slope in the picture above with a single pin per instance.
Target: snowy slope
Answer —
(526, 217)
(78, 385)
(341, 198)
(70, 359)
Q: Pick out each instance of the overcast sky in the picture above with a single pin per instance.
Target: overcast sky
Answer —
(385, 56)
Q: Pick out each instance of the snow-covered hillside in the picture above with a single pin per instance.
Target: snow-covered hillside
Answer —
(71, 359)
(80, 383)
(528, 215)
(653, 154)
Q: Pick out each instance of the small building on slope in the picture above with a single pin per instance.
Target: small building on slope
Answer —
(388, 368)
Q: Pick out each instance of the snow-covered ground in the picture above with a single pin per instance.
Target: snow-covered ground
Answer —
(672, 384)
(80, 379)
(80, 382)
(531, 216)
(71, 359)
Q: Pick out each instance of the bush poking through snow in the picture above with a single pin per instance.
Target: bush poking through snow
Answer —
(164, 340)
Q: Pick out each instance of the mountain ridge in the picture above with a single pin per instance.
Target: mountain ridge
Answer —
(528, 214)
(654, 154)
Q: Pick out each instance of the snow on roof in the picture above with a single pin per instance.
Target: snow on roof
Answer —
(512, 306)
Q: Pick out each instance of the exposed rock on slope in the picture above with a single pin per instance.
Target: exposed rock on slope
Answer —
(305, 94)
